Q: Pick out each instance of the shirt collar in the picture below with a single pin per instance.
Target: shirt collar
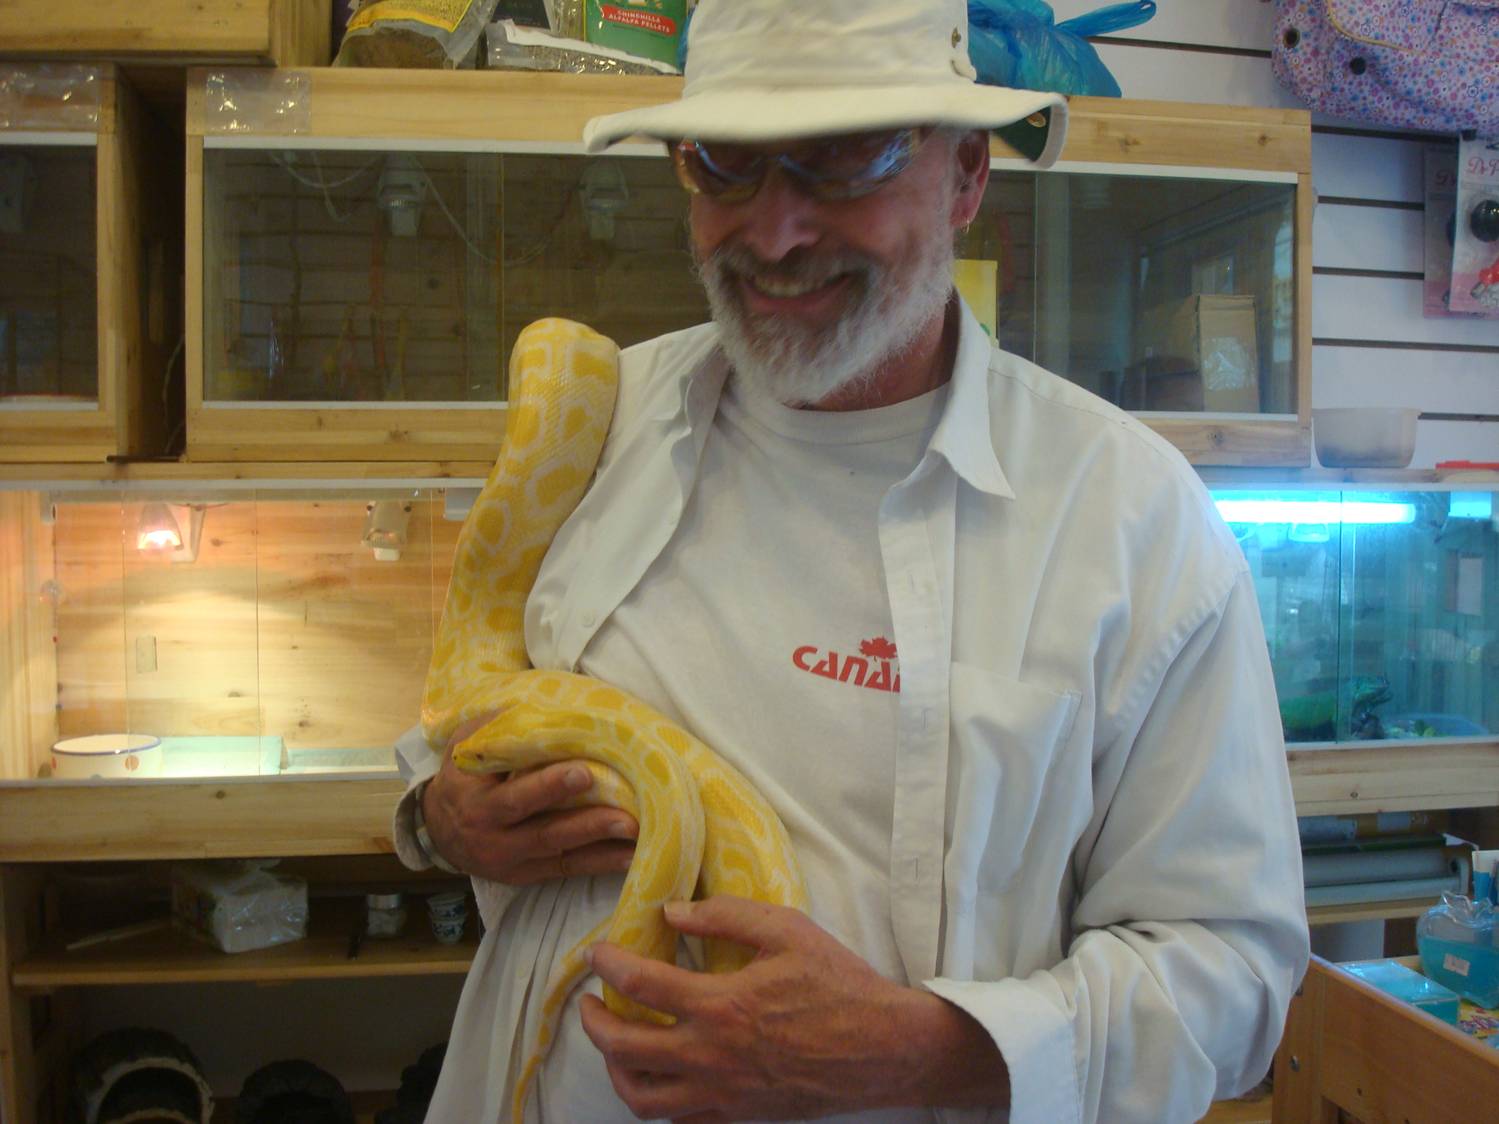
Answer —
(962, 437)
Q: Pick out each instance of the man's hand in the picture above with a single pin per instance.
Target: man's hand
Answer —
(509, 828)
(806, 1029)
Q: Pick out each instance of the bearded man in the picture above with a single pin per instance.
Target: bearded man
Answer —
(1052, 857)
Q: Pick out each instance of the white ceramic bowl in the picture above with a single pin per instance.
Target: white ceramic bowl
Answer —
(1365, 436)
(107, 755)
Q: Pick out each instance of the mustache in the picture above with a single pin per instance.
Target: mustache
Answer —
(800, 265)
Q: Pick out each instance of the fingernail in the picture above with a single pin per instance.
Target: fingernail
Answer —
(677, 911)
(588, 957)
(622, 829)
(578, 778)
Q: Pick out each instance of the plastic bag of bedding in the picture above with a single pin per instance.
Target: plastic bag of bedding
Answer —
(431, 34)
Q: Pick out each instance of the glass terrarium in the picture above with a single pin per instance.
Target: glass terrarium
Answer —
(48, 272)
(1381, 608)
(1170, 293)
(364, 246)
(250, 632)
(88, 182)
(376, 277)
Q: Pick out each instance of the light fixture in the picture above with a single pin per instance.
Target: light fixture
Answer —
(1316, 511)
(605, 194)
(385, 528)
(400, 194)
(160, 531)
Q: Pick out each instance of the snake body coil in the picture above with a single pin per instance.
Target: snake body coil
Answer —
(703, 827)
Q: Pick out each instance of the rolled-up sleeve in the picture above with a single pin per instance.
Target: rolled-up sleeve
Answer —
(1189, 930)
(418, 763)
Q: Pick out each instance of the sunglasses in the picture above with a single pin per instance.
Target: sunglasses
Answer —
(828, 168)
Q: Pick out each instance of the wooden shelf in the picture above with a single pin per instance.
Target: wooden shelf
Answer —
(168, 957)
(240, 473)
(1368, 911)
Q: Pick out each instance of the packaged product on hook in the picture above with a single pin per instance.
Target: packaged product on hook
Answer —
(1475, 243)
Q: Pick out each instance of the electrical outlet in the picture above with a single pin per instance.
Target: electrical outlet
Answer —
(15, 181)
(145, 654)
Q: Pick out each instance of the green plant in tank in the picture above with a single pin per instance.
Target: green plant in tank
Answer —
(1314, 717)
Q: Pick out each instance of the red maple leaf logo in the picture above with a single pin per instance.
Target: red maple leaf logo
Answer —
(879, 648)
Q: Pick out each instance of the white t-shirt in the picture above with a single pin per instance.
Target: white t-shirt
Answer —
(798, 693)
(782, 656)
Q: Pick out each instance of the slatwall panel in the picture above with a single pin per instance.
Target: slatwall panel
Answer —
(1373, 346)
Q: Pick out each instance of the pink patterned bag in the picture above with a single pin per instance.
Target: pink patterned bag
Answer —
(1410, 64)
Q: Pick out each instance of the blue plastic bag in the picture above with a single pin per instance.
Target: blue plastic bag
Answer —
(1019, 43)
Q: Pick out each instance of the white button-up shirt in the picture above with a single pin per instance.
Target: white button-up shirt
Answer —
(1094, 850)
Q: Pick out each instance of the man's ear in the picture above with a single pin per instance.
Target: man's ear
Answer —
(972, 157)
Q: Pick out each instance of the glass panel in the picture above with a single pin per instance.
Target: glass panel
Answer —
(405, 277)
(273, 639)
(1381, 610)
(1155, 293)
(48, 272)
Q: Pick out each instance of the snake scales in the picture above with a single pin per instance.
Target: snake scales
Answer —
(703, 829)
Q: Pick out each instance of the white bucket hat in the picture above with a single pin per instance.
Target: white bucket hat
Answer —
(769, 70)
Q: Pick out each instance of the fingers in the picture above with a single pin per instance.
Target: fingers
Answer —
(524, 795)
(510, 829)
(646, 1066)
(770, 928)
(651, 983)
(596, 858)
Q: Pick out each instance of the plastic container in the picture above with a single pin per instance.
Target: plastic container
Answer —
(1408, 985)
(448, 913)
(384, 915)
(107, 755)
(1456, 943)
(1365, 436)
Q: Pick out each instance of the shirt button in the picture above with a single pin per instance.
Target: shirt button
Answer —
(588, 619)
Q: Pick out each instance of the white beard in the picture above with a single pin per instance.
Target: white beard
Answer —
(795, 365)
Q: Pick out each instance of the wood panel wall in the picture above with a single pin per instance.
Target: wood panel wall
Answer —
(28, 667)
(285, 625)
(1371, 343)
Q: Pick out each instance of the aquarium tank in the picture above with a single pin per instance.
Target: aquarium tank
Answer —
(1380, 608)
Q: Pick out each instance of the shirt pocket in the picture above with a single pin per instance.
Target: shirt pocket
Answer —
(1005, 736)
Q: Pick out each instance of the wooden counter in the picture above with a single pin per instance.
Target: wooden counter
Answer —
(56, 821)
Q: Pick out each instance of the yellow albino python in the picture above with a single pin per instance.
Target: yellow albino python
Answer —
(703, 828)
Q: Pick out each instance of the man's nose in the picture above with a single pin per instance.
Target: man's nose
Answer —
(779, 218)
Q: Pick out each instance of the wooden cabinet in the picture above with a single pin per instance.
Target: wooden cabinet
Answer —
(90, 251)
(333, 833)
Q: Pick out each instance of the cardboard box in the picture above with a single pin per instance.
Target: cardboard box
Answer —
(1200, 354)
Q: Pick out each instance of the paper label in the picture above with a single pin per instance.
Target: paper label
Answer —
(444, 14)
(1455, 964)
(977, 283)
